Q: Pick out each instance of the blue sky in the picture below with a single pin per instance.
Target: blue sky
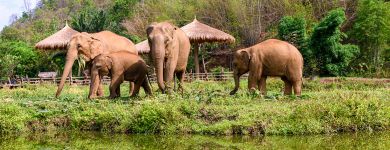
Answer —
(9, 7)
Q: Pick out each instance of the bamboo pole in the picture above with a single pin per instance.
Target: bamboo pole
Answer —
(196, 59)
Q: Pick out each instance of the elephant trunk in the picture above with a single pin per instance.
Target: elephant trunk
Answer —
(236, 83)
(158, 53)
(70, 58)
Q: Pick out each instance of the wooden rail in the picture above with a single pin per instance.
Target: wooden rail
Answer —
(20, 82)
(189, 77)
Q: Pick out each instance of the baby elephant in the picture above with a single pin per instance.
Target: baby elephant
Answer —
(269, 58)
(119, 66)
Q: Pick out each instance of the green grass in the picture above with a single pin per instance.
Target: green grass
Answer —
(205, 108)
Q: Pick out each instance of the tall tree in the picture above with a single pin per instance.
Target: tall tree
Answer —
(372, 30)
(332, 58)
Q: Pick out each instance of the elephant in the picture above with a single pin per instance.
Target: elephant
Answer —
(90, 45)
(120, 66)
(169, 51)
(269, 58)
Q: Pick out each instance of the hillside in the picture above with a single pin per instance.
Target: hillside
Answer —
(248, 21)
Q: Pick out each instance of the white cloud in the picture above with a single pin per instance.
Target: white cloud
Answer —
(9, 7)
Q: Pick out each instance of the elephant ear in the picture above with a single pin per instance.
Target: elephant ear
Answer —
(96, 48)
(170, 30)
(246, 57)
(108, 61)
(149, 29)
(170, 44)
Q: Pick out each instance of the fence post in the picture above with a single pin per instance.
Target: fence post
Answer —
(28, 79)
(21, 81)
(54, 79)
(223, 74)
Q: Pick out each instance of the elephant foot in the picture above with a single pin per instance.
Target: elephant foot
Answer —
(233, 92)
(113, 96)
(167, 91)
(134, 95)
(181, 89)
(100, 94)
(92, 97)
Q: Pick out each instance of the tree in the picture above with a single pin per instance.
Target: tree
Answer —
(19, 59)
(91, 20)
(372, 30)
(332, 57)
(121, 9)
(293, 30)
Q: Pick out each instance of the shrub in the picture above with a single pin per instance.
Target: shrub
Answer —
(332, 57)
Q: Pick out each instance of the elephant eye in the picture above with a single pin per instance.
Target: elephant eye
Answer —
(78, 45)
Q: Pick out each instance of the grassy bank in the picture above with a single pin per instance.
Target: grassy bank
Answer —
(205, 108)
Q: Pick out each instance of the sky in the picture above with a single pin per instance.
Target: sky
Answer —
(9, 7)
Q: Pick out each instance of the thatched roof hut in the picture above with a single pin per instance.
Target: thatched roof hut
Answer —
(143, 47)
(58, 40)
(200, 33)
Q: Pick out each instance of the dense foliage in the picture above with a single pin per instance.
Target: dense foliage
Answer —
(331, 57)
(366, 22)
(371, 32)
(18, 57)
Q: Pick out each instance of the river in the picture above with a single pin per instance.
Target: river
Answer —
(90, 140)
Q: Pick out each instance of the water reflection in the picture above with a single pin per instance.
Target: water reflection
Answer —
(120, 141)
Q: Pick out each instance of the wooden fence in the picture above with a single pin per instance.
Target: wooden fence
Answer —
(20, 82)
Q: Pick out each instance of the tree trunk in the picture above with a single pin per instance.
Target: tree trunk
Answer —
(196, 59)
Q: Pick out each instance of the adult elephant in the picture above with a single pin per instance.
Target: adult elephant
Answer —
(169, 50)
(90, 45)
(269, 58)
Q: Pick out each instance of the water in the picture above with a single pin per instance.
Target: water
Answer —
(380, 140)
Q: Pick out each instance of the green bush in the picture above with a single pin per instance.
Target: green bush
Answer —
(371, 31)
(331, 57)
(18, 59)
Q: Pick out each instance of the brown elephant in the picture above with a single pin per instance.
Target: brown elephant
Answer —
(169, 50)
(89, 45)
(269, 58)
(120, 66)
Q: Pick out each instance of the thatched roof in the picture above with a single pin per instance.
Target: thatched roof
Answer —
(143, 47)
(199, 33)
(58, 40)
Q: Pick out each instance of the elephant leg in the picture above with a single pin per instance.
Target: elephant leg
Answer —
(297, 87)
(146, 87)
(262, 85)
(118, 91)
(116, 81)
(169, 72)
(93, 86)
(100, 91)
(252, 81)
(131, 87)
(180, 76)
(287, 86)
(137, 86)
